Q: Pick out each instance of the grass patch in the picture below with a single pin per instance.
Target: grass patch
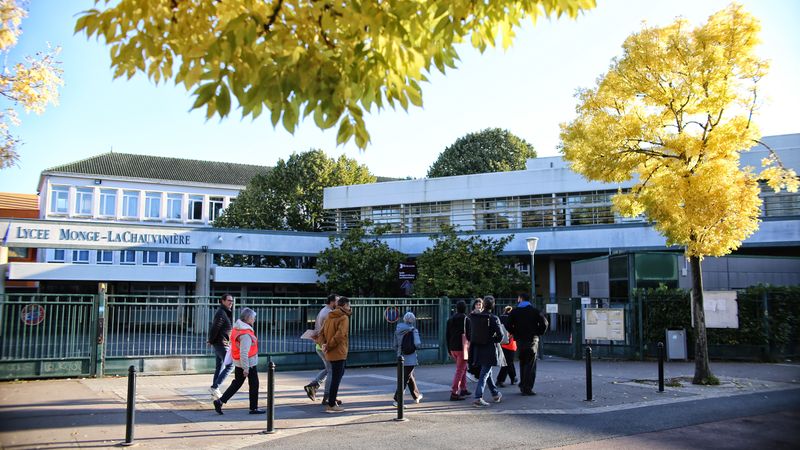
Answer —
(711, 380)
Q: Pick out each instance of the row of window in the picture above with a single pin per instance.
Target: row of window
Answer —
(129, 205)
(125, 257)
(533, 211)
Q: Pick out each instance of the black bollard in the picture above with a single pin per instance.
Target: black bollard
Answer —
(130, 415)
(270, 397)
(660, 367)
(400, 388)
(588, 374)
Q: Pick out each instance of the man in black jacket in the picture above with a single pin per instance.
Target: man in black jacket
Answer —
(219, 337)
(525, 322)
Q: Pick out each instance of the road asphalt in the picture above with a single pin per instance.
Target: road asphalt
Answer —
(756, 406)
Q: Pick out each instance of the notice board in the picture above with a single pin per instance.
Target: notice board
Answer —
(604, 323)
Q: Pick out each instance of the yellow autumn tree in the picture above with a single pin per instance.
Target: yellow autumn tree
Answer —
(675, 112)
(32, 84)
(334, 61)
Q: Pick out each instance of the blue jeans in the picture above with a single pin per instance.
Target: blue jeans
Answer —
(324, 373)
(220, 372)
(485, 379)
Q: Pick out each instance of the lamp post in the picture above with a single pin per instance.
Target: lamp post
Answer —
(532, 243)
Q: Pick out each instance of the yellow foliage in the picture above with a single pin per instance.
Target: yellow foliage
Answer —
(32, 84)
(335, 60)
(674, 112)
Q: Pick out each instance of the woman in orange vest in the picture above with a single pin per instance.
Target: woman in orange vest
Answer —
(508, 351)
(244, 350)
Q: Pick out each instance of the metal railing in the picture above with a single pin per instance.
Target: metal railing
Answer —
(46, 327)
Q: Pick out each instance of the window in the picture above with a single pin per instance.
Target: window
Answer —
(174, 206)
(83, 201)
(152, 205)
(172, 258)
(108, 203)
(59, 200)
(195, 207)
(214, 208)
(105, 257)
(127, 257)
(80, 256)
(150, 257)
(130, 204)
(58, 255)
(194, 259)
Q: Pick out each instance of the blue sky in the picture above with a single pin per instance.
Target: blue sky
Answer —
(527, 90)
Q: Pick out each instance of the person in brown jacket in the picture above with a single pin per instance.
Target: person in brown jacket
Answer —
(335, 340)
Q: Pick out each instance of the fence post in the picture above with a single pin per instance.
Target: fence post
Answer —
(271, 396)
(444, 315)
(765, 324)
(660, 367)
(577, 328)
(130, 416)
(100, 339)
(588, 373)
(400, 388)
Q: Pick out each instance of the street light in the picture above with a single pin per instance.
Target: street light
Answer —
(532, 243)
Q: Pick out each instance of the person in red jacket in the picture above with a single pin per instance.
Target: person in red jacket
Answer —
(244, 350)
(509, 349)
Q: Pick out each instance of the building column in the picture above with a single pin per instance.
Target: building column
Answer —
(553, 290)
(202, 291)
(3, 268)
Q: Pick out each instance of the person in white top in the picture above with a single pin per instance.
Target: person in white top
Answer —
(312, 387)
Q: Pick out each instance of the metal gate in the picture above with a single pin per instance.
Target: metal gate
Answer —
(44, 335)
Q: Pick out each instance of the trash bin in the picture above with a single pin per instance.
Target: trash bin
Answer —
(676, 344)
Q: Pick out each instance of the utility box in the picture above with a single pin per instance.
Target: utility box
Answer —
(676, 345)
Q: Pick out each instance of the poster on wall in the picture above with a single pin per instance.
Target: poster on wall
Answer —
(604, 324)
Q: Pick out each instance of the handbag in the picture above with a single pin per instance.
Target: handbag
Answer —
(228, 357)
(506, 337)
(465, 345)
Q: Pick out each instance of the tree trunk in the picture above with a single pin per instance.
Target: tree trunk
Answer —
(702, 371)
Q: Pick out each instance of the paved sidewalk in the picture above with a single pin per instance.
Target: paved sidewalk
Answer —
(176, 411)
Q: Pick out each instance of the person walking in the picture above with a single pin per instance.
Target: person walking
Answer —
(455, 345)
(526, 323)
(312, 387)
(244, 350)
(509, 370)
(335, 341)
(219, 338)
(403, 347)
(484, 335)
(473, 371)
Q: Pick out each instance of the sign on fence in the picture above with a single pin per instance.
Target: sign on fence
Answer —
(604, 324)
(391, 314)
(32, 314)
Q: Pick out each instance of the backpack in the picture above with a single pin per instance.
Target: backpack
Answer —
(541, 325)
(407, 346)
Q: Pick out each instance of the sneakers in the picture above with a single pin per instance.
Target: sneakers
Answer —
(480, 403)
(394, 403)
(500, 384)
(325, 401)
(334, 409)
(257, 411)
(456, 398)
(498, 397)
(311, 391)
(418, 399)
(218, 407)
(471, 377)
(215, 393)
(465, 393)
(514, 381)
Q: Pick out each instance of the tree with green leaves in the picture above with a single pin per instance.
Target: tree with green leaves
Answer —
(359, 265)
(334, 61)
(674, 113)
(289, 196)
(489, 150)
(465, 266)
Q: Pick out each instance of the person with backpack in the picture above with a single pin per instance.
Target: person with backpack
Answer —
(407, 341)
(455, 345)
(485, 336)
(527, 324)
(509, 350)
